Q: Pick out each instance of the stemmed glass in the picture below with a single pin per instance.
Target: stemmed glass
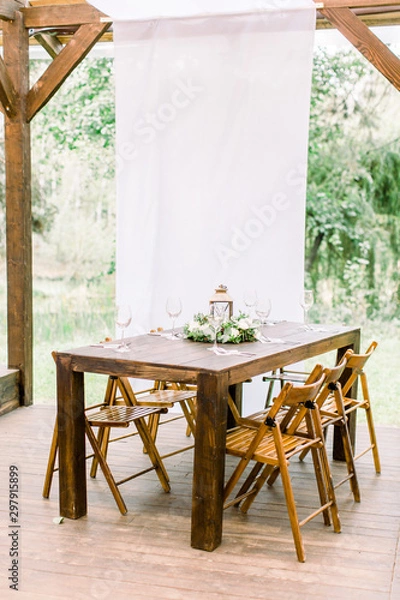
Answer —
(174, 308)
(215, 320)
(250, 299)
(306, 302)
(263, 308)
(123, 317)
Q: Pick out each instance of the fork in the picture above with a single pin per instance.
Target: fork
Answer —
(223, 352)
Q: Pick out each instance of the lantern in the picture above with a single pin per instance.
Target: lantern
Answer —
(222, 299)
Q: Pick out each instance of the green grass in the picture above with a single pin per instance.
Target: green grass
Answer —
(382, 369)
(62, 332)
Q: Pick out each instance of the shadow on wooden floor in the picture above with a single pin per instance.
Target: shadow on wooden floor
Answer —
(147, 553)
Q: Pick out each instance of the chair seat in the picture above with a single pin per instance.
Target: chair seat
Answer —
(167, 397)
(238, 440)
(121, 416)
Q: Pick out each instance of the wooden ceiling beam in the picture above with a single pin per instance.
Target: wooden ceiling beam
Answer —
(8, 97)
(355, 3)
(8, 9)
(370, 16)
(50, 43)
(366, 42)
(63, 64)
(61, 16)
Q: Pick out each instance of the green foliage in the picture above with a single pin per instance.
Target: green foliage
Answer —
(353, 207)
(73, 160)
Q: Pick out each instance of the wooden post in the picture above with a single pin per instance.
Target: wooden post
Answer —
(18, 208)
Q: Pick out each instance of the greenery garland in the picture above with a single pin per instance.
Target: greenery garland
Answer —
(235, 330)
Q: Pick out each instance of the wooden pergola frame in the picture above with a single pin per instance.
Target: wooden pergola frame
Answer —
(68, 30)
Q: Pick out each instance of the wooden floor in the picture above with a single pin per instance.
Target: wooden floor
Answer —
(147, 553)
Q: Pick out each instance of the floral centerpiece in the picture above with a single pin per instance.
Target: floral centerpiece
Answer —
(235, 330)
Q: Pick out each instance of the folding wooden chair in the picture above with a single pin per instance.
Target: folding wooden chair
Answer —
(123, 416)
(273, 442)
(173, 393)
(332, 411)
(356, 363)
(329, 409)
(119, 392)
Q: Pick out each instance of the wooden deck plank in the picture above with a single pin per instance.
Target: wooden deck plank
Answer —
(147, 553)
(9, 393)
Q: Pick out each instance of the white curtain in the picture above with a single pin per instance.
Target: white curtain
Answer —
(212, 126)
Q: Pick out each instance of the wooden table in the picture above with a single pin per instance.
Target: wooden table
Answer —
(156, 357)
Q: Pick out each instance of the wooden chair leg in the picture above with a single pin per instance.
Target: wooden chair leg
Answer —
(323, 497)
(153, 423)
(103, 437)
(270, 390)
(351, 468)
(151, 450)
(250, 479)
(187, 410)
(259, 482)
(273, 476)
(292, 512)
(234, 478)
(370, 423)
(51, 462)
(328, 482)
(105, 469)
(372, 437)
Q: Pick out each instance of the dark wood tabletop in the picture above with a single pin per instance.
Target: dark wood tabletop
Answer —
(157, 357)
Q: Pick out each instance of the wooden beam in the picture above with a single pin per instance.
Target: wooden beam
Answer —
(8, 98)
(8, 8)
(366, 42)
(371, 19)
(355, 3)
(61, 16)
(18, 209)
(50, 43)
(9, 392)
(57, 72)
(55, 2)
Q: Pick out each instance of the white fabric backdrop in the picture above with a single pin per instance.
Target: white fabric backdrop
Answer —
(212, 123)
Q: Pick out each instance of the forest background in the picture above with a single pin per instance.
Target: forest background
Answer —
(352, 220)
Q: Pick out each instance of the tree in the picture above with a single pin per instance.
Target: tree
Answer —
(343, 234)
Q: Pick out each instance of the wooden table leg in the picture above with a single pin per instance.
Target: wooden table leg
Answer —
(209, 461)
(71, 430)
(338, 451)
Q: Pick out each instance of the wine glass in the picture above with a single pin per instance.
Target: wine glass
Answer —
(306, 302)
(263, 308)
(174, 308)
(250, 299)
(215, 319)
(123, 317)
